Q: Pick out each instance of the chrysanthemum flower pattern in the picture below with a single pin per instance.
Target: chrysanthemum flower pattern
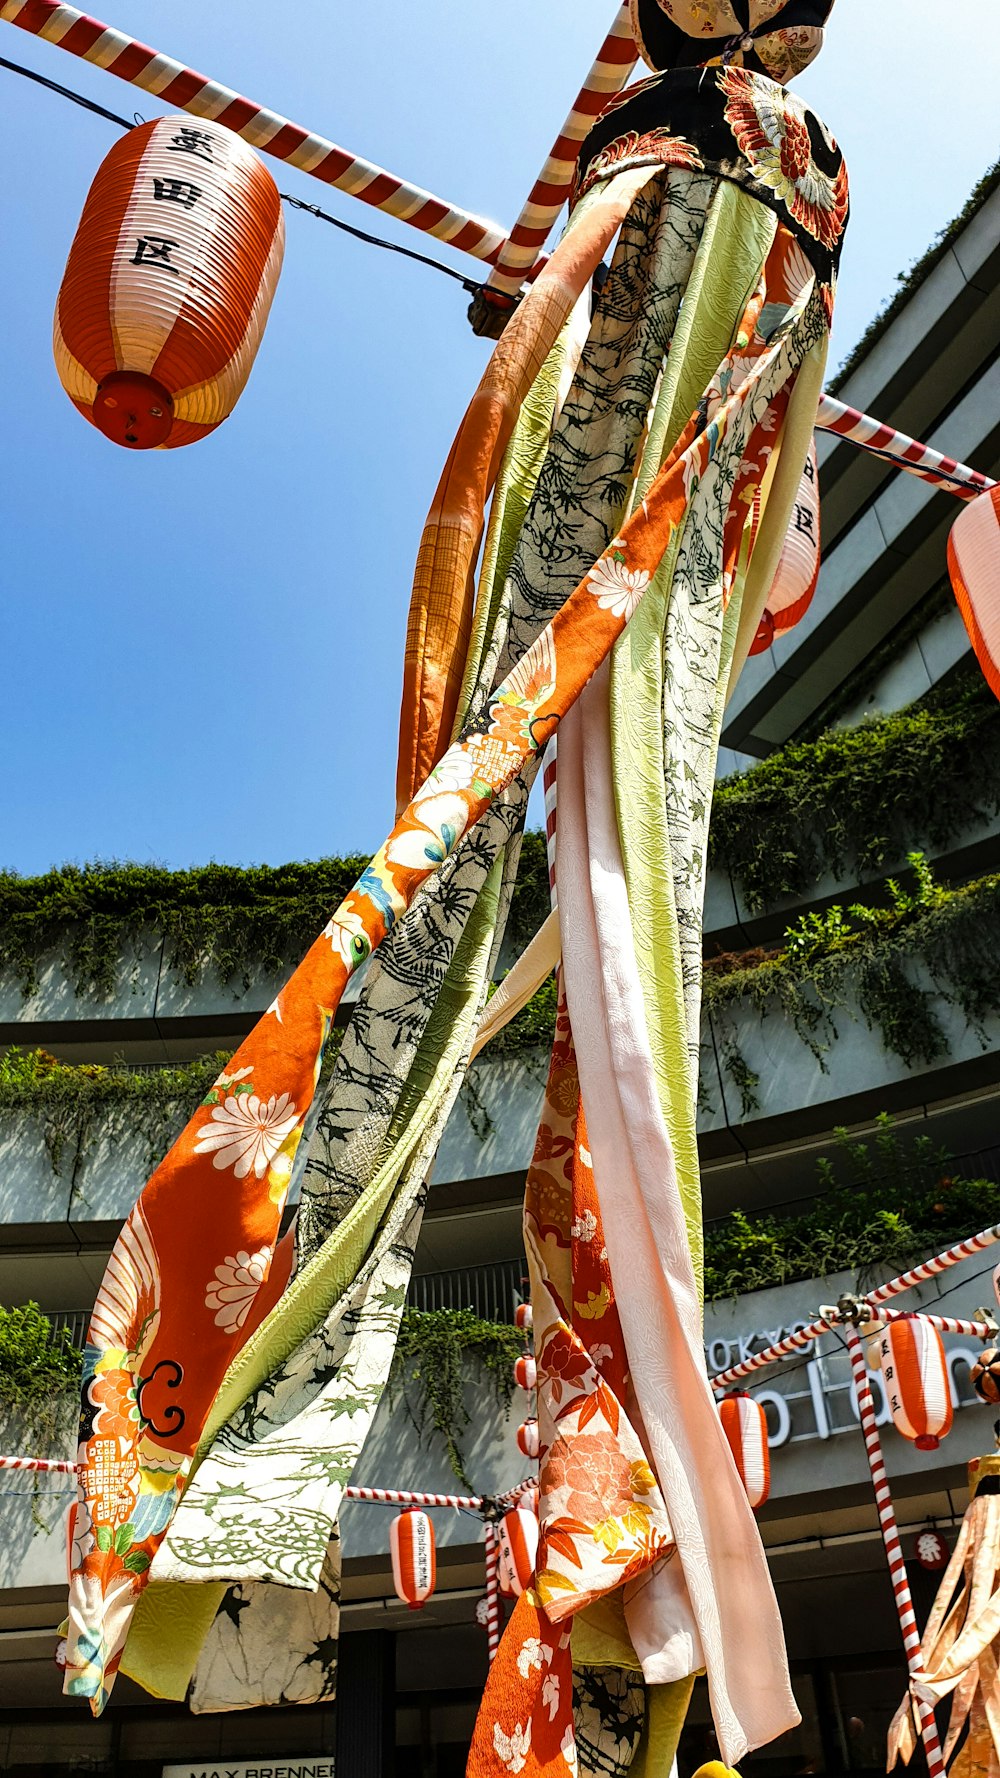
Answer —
(236, 1283)
(245, 1132)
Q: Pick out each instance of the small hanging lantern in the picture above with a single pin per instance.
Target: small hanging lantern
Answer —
(917, 1384)
(522, 1316)
(518, 1538)
(745, 1426)
(985, 1376)
(798, 565)
(414, 1561)
(528, 1441)
(974, 566)
(168, 283)
(525, 1371)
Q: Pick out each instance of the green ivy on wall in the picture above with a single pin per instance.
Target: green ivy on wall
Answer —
(40, 1372)
(863, 956)
(234, 924)
(431, 1368)
(851, 798)
(74, 1104)
(883, 1203)
(855, 797)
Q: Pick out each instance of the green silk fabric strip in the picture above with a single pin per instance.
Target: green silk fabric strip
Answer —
(737, 236)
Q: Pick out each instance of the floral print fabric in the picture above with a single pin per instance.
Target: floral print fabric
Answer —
(742, 127)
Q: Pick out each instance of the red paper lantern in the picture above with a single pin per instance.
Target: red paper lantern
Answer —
(930, 1550)
(525, 1371)
(745, 1426)
(522, 1316)
(798, 565)
(974, 567)
(518, 1537)
(917, 1385)
(414, 1561)
(528, 1441)
(168, 284)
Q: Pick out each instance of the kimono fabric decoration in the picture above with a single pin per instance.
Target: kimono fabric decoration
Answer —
(414, 1559)
(745, 1426)
(168, 284)
(974, 567)
(917, 1385)
(960, 1646)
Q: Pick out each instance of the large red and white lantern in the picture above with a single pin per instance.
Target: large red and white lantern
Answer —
(522, 1316)
(745, 1426)
(798, 565)
(168, 284)
(517, 1534)
(414, 1560)
(974, 567)
(917, 1385)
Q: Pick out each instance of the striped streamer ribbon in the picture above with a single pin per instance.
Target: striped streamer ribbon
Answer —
(520, 252)
(896, 447)
(893, 1550)
(267, 130)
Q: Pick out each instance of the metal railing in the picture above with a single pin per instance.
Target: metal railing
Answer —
(492, 1292)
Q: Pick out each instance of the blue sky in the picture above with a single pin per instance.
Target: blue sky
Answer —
(204, 646)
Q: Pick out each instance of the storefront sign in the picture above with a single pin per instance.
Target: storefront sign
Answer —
(314, 1766)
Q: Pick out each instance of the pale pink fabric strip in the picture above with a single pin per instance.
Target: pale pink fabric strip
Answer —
(731, 1597)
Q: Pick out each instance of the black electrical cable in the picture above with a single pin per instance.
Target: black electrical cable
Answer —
(359, 234)
(66, 92)
(468, 284)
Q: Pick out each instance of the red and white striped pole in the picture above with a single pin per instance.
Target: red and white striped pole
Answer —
(174, 84)
(40, 1465)
(898, 448)
(930, 1268)
(492, 1589)
(894, 1553)
(407, 1497)
(612, 66)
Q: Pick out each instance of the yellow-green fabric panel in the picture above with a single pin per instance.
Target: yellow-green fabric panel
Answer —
(737, 237)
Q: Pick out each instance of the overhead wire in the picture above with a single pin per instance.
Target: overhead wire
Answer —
(470, 285)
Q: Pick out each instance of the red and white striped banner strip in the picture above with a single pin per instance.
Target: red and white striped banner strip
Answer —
(492, 1589)
(405, 1497)
(41, 1465)
(792, 1342)
(897, 447)
(953, 1256)
(174, 84)
(520, 252)
(381, 1496)
(549, 773)
(893, 1550)
(977, 1330)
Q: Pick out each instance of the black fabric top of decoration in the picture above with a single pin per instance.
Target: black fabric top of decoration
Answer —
(741, 126)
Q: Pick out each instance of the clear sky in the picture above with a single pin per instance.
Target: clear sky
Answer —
(202, 648)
